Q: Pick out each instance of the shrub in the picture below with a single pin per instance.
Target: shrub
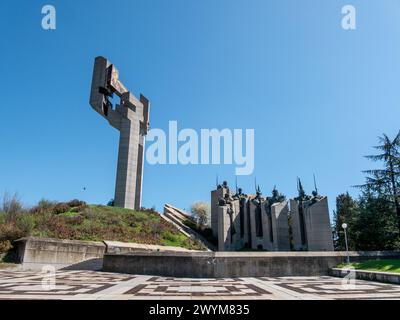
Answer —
(80, 208)
(157, 228)
(170, 237)
(148, 210)
(201, 211)
(5, 245)
(25, 223)
(89, 213)
(43, 206)
(60, 208)
(75, 221)
(76, 203)
(9, 231)
(54, 226)
(11, 206)
(2, 218)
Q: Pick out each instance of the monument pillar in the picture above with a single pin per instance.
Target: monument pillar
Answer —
(215, 196)
(131, 118)
(315, 232)
(279, 212)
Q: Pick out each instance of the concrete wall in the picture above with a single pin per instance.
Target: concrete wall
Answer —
(233, 264)
(386, 277)
(125, 247)
(34, 253)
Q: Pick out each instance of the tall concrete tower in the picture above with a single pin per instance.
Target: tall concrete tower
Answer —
(131, 118)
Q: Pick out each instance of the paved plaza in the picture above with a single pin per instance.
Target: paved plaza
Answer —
(102, 285)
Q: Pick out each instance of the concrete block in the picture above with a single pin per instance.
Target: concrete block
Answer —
(231, 264)
(34, 253)
(313, 231)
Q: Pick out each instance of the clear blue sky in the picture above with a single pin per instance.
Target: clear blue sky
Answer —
(316, 95)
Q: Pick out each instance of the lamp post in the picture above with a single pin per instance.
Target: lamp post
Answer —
(344, 226)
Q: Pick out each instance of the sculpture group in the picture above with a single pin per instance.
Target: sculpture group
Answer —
(241, 221)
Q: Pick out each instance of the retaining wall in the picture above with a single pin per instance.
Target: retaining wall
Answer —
(233, 264)
(388, 277)
(34, 253)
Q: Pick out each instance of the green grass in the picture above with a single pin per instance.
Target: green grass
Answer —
(95, 223)
(176, 240)
(384, 265)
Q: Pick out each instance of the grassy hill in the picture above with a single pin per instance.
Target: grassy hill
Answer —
(75, 220)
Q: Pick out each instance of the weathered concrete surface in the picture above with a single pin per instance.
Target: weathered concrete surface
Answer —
(232, 264)
(215, 196)
(229, 237)
(387, 277)
(131, 118)
(264, 222)
(34, 253)
(280, 226)
(317, 229)
(124, 247)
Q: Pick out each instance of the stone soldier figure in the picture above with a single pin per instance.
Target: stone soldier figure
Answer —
(227, 201)
(242, 205)
(302, 201)
(258, 218)
(269, 201)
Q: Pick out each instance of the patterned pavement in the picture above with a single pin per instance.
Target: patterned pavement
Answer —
(101, 285)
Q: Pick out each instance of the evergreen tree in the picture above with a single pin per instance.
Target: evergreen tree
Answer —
(385, 183)
(376, 226)
(347, 211)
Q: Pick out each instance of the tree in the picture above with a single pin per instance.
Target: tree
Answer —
(347, 211)
(201, 212)
(385, 182)
(376, 227)
(11, 206)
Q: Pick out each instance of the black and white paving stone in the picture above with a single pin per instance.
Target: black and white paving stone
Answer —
(102, 285)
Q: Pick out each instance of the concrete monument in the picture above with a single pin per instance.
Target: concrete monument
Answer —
(258, 222)
(215, 196)
(310, 222)
(131, 118)
(241, 221)
(229, 237)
